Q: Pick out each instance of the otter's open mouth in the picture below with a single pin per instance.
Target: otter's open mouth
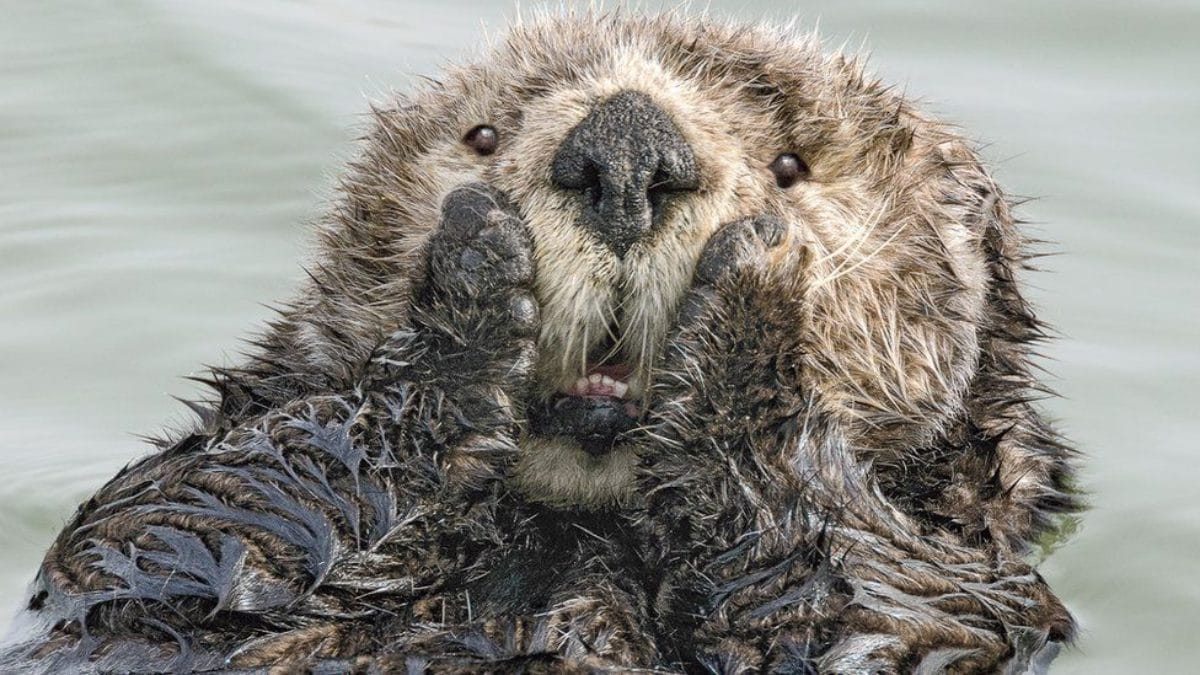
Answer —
(594, 410)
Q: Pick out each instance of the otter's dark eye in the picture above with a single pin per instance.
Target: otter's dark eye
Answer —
(789, 169)
(482, 139)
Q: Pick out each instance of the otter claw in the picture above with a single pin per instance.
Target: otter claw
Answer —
(771, 230)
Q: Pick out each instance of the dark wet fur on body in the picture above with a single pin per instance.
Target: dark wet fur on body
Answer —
(343, 506)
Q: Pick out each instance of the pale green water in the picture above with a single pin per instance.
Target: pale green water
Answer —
(158, 161)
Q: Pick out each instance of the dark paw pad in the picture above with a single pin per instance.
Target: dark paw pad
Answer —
(737, 245)
(523, 313)
(481, 248)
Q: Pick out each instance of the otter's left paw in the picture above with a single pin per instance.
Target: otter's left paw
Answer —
(475, 317)
(740, 248)
(732, 369)
(733, 363)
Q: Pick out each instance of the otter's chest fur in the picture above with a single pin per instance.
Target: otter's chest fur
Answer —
(552, 551)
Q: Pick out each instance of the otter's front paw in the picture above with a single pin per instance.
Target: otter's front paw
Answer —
(737, 348)
(463, 365)
(480, 268)
(739, 249)
(729, 387)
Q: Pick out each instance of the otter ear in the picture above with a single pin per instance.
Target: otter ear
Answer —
(1010, 473)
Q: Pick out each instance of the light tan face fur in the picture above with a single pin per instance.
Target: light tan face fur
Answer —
(897, 276)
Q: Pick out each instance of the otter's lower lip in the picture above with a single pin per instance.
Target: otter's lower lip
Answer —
(592, 411)
(595, 422)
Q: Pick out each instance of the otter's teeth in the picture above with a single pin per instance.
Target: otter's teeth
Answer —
(598, 385)
(580, 387)
(619, 388)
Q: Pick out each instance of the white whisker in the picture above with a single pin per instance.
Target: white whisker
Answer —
(842, 269)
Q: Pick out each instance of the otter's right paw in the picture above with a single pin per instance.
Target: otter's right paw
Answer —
(457, 375)
(468, 351)
(481, 266)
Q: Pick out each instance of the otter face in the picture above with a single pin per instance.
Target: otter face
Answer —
(626, 142)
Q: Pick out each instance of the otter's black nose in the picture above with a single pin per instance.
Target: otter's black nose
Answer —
(628, 160)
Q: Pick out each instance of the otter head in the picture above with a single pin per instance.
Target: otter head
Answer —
(626, 142)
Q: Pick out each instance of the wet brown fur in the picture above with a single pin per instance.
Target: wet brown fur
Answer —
(841, 464)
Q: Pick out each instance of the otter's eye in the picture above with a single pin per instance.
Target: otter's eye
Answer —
(789, 169)
(482, 139)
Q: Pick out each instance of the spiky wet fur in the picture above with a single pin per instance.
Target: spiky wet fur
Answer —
(841, 463)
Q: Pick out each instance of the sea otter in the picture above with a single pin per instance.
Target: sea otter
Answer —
(642, 343)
